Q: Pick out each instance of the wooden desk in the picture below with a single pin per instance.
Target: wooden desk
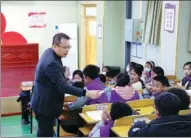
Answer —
(145, 110)
(121, 131)
(26, 88)
(88, 119)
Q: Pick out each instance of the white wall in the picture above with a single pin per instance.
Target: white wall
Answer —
(165, 54)
(114, 21)
(184, 34)
(16, 14)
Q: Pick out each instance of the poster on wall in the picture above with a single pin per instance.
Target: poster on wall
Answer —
(37, 19)
(169, 17)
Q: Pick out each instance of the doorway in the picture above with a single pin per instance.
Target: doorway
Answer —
(90, 40)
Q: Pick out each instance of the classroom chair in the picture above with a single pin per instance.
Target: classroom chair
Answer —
(28, 86)
(121, 126)
(141, 103)
(185, 112)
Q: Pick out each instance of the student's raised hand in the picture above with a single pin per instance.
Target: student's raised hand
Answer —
(105, 116)
(93, 94)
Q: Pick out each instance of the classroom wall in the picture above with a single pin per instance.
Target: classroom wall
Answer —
(16, 14)
(114, 46)
(183, 37)
(165, 54)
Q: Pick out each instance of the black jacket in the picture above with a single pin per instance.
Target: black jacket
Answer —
(50, 86)
(168, 126)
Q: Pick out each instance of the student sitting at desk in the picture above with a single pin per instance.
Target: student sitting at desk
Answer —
(92, 82)
(168, 123)
(77, 76)
(186, 82)
(103, 128)
(160, 84)
(135, 77)
(122, 92)
(157, 71)
(149, 65)
(183, 96)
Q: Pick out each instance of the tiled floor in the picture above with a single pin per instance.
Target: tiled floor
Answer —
(11, 127)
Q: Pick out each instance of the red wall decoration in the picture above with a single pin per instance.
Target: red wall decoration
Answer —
(10, 37)
(18, 60)
(18, 63)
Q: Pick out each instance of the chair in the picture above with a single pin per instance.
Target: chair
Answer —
(28, 86)
(121, 126)
(185, 112)
(129, 120)
(141, 103)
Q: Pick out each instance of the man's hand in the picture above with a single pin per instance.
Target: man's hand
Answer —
(93, 94)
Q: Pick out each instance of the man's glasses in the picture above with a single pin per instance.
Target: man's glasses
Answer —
(66, 47)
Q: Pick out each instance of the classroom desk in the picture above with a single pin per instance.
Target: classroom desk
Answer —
(26, 88)
(121, 131)
(88, 119)
(145, 110)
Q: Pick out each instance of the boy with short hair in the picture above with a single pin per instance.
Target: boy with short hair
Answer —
(168, 123)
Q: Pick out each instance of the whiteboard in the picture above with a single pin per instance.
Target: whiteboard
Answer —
(72, 58)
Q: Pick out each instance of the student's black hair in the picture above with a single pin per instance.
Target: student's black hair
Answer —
(163, 80)
(108, 68)
(167, 104)
(58, 37)
(78, 84)
(151, 63)
(98, 69)
(110, 74)
(120, 75)
(79, 72)
(119, 110)
(102, 77)
(138, 68)
(188, 63)
(158, 70)
(132, 64)
(91, 71)
(183, 96)
(123, 81)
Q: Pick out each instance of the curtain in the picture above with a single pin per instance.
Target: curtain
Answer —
(152, 23)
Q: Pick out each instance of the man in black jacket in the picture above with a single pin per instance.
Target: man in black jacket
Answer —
(169, 123)
(50, 86)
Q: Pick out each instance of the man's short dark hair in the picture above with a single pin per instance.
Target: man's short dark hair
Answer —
(119, 110)
(58, 37)
(163, 80)
(183, 96)
(91, 71)
(167, 104)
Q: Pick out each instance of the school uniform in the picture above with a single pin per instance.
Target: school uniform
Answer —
(166, 126)
(186, 82)
(102, 129)
(95, 84)
(124, 94)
